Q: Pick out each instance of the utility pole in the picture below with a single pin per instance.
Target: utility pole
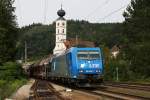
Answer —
(25, 52)
(76, 40)
(117, 77)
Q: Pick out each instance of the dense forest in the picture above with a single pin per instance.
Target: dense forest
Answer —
(107, 34)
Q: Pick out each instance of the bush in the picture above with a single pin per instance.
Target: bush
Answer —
(11, 78)
(125, 72)
(11, 71)
(8, 87)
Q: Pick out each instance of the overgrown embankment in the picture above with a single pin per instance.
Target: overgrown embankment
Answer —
(11, 78)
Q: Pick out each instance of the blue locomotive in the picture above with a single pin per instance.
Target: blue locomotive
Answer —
(79, 66)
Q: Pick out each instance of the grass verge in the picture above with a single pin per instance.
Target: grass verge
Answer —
(9, 87)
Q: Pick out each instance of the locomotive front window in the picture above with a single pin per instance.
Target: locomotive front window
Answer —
(89, 55)
(82, 55)
(94, 56)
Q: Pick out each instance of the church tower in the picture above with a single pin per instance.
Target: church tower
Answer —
(61, 25)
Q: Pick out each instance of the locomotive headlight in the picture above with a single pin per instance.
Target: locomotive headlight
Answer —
(80, 71)
(82, 65)
(74, 76)
(98, 71)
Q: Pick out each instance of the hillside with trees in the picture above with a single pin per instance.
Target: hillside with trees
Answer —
(106, 35)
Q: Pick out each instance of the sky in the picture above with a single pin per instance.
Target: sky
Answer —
(45, 11)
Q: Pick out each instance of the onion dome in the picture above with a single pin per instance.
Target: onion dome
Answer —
(61, 12)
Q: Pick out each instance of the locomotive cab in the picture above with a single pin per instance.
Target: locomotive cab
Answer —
(89, 66)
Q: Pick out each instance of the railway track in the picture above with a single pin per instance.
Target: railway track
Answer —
(117, 94)
(43, 90)
(143, 87)
(111, 95)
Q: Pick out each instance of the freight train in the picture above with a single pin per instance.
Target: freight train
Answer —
(79, 66)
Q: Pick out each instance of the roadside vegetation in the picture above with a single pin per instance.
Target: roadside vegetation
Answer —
(11, 78)
(11, 73)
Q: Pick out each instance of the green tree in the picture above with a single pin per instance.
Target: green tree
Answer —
(40, 41)
(137, 33)
(8, 30)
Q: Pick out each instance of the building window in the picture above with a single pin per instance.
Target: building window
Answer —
(63, 24)
(63, 31)
(58, 31)
(57, 24)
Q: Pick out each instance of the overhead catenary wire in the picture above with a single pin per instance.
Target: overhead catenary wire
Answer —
(45, 11)
(113, 12)
(20, 10)
(99, 7)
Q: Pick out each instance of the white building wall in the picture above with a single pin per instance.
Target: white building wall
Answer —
(60, 36)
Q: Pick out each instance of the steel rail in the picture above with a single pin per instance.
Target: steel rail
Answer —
(43, 90)
(125, 94)
(54, 91)
(114, 95)
(129, 86)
